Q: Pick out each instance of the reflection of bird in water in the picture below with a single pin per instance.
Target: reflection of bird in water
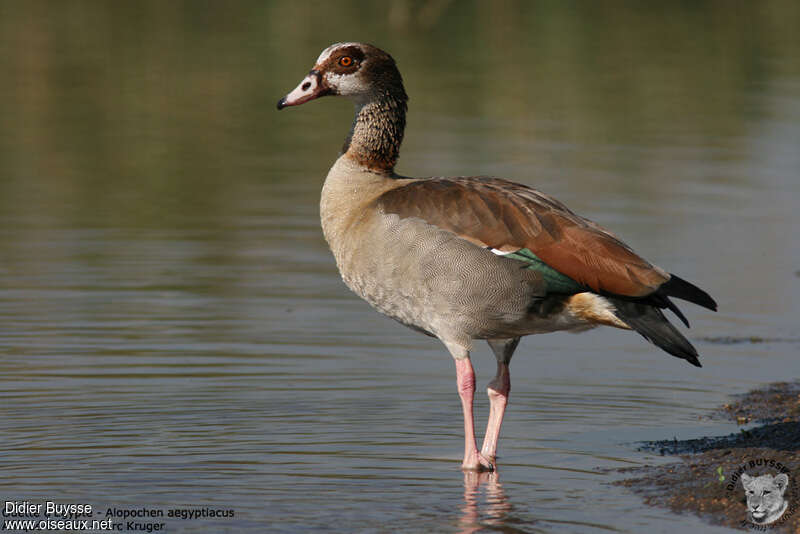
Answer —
(476, 517)
(471, 258)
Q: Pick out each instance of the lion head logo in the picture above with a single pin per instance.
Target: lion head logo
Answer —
(765, 502)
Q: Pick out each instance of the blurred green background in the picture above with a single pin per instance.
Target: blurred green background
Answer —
(148, 113)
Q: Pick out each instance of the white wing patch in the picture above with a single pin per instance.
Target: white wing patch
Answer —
(506, 252)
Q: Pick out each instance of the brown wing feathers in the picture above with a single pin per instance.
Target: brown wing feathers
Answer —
(495, 213)
(502, 215)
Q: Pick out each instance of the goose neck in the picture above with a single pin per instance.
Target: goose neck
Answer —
(377, 132)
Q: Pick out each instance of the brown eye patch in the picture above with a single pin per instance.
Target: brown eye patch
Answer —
(345, 60)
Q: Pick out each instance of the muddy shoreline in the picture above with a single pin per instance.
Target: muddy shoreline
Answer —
(706, 481)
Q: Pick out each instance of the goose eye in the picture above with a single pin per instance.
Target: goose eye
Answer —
(345, 61)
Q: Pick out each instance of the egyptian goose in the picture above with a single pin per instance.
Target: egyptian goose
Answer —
(471, 257)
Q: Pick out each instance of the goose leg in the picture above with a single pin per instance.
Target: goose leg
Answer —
(498, 391)
(465, 379)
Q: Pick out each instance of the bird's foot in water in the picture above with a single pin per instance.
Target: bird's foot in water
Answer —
(477, 462)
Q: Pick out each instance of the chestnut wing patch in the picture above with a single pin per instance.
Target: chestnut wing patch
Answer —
(573, 253)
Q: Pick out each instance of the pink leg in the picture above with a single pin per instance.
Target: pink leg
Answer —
(498, 391)
(465, 378)
(498, 399)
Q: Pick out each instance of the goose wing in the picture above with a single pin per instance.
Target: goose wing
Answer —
(524, 224)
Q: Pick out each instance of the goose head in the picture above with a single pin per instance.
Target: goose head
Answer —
(359, 71)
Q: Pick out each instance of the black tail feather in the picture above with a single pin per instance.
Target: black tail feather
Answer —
(679, 288)
(676, 311)
(650, 322)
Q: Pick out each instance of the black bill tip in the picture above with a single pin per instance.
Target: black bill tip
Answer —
(281, 103)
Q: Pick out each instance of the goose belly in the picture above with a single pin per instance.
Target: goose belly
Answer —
(433, 281)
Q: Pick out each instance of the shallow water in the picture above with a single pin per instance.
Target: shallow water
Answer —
(173, 331)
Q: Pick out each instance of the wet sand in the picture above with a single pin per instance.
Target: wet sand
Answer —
(705, 481)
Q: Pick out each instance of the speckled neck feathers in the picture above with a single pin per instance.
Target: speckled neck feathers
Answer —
(377, 132)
